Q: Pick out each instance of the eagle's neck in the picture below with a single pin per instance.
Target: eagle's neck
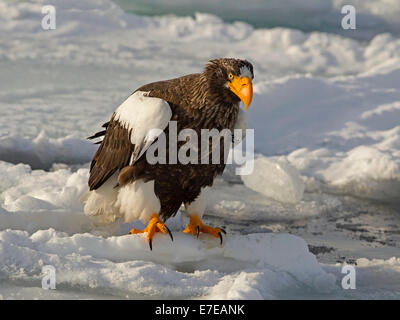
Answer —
(210, 107)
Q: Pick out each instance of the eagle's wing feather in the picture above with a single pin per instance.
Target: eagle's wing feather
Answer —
(129, 133)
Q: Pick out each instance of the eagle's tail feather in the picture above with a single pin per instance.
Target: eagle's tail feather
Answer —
(97, 134)
(99, 204)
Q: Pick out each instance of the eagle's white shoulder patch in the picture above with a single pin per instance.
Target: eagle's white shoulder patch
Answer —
(141, 114)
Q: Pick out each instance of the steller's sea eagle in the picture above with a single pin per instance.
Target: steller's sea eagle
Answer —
(124, 184)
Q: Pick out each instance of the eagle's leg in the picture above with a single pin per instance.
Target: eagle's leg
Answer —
(154, 225)
(196, 226)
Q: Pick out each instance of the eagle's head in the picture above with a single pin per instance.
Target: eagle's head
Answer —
(231, 79)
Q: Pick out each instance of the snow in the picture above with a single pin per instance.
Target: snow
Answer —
(386, 277)
(125, 264)
(345, 133)
(43, 151)
(326, 118)
(41, 202)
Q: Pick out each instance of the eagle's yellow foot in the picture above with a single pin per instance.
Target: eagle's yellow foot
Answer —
(196, 226)
(154, 225)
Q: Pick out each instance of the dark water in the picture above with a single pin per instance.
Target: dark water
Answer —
(307, 16)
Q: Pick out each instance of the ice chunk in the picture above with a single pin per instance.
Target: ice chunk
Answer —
(275, 178)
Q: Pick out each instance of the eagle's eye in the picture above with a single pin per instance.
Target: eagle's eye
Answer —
(230, 76)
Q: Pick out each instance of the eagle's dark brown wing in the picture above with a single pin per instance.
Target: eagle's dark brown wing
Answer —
(113, 154)
(128, 135)
(100, 133)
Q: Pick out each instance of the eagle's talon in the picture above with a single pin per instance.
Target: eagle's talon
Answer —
(154, 225)
(169, 232)
(196, 226)
(220, 236)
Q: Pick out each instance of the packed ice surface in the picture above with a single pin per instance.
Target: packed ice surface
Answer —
(108, 263)
(39, 202)
(326, 104)
(255, 266)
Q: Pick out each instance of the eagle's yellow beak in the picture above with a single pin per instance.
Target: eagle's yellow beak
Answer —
(243, 88)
